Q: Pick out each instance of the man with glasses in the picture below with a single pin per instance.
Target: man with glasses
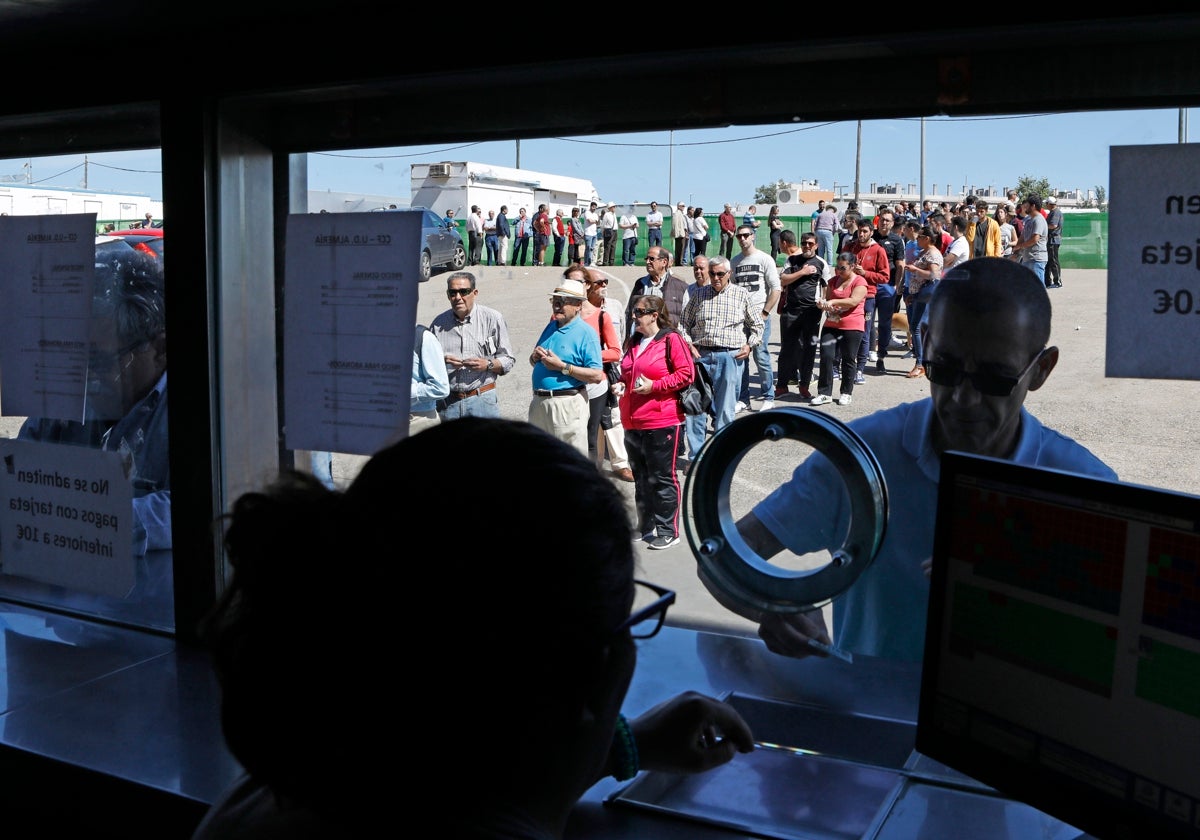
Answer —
(756, 272)
(658, 281)
(985, 340)
(474, 339)
(803, 278)
(722, 324)
(565, 361)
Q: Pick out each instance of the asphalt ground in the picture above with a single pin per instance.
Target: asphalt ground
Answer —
(1145, 429)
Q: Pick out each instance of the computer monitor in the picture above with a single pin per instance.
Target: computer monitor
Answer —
(1062, 655)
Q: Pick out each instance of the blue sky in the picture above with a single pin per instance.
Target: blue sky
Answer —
(710, 167)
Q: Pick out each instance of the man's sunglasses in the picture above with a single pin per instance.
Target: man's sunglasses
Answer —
(453, 293)
(985, 382)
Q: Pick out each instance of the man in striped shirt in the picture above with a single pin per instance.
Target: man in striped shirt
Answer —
(723, 325)
(475, 342)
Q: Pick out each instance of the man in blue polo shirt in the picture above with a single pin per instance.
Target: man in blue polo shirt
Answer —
(565, 360)
(985, 342)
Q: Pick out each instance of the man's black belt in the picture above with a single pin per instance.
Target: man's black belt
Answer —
(562, 392)
(710, 348)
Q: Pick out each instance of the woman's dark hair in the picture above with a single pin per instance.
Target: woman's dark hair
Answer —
(847, 257)
(698, 212)
(332, 590)
(659, 305)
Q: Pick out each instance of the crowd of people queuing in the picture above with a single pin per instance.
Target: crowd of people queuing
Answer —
(606, 377)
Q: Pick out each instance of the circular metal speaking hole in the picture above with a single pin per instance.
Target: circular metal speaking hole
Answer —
(735, 575)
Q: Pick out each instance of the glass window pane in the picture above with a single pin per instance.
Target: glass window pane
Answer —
(84, 357)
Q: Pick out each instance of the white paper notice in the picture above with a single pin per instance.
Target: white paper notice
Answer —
(46, 270)
(66, 517)
(350, 304)
(1154, 262)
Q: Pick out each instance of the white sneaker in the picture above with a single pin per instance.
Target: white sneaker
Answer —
(872, 356)
(767, 405)
(739, 407)
(844, 399)
(820, 399)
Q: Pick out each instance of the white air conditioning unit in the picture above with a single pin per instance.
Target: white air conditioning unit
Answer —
(786, 196)
(439, 170)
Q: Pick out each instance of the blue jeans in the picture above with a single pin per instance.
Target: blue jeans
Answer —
(654, 238)
(726, 374)
(916, 313)
(589, 248)
(825, 246)
(885, 307)
(868, 332)
(493, 250)
(1039, 268)
(486, 404)
(762, 363)
(629, 250)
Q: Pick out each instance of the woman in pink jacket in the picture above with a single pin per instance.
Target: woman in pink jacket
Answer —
(652, 417)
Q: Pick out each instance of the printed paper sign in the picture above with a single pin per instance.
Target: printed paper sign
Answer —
(47, 264)
(1154, 262)
(66, 517)
(350, 310)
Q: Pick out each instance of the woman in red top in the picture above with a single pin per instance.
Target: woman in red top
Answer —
(843, 330)
(652, 417)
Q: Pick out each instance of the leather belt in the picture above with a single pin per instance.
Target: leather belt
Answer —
(562, 392)
(713, 349)
(456, 396)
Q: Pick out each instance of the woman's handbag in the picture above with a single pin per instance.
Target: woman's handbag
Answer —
(612, 370)
(696, 398)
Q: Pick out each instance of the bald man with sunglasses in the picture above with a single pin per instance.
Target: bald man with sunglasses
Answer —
(987, 347)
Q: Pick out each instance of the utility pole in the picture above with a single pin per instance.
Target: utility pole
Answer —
(922, 161)
(671, 169)
(85, 172)
(1183, 125)
(857, 161)
(518, 153)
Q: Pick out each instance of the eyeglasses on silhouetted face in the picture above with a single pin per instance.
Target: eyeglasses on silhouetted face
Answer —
(985, 382)
(640, 312)
(650, 603)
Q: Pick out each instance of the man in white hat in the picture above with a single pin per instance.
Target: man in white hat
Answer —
(1054, 220)
(565, 361)
(679, 232)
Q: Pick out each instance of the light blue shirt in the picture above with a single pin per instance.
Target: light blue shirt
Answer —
(576, 343)
(883, 612)
(430, 381)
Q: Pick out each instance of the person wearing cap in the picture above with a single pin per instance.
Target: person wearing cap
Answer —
(591, 227)
(565, 361)
(1054, 220)
(679, 232)
(1031, 249)
(654, 223)
(825, 226)
(608, 228)
(628, 223)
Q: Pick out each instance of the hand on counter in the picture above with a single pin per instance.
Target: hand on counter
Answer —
(690, 733)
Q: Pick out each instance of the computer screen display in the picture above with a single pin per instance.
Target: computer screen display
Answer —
(1062, 655)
